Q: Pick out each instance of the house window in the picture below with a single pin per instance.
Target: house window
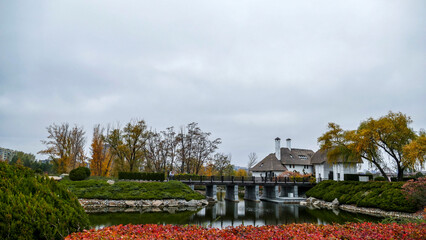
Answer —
(303, 157)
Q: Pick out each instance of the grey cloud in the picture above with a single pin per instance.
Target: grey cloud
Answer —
(247, 71)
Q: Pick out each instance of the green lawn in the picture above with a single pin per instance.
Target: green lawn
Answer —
(124, 190)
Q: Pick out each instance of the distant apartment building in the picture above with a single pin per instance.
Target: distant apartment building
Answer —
(6, 154)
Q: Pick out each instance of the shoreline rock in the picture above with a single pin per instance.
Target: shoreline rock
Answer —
(142, 206)
(321, 204)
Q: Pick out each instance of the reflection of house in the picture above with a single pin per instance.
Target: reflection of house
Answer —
(304, 161)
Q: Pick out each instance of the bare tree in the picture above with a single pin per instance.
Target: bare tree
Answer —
(252, 161)
(194, 148)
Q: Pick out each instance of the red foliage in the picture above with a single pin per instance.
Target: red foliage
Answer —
(416, 191)
(291, 231)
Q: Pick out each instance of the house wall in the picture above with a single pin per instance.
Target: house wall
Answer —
(322, 171)
(299, 168)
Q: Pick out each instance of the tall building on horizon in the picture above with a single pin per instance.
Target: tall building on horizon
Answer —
(6, 154)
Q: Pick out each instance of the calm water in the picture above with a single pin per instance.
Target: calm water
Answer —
(225, 213)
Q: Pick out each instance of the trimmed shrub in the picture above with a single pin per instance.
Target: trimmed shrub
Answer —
(79, 174)
(160, 176)
(379, 178)
(383, 195)
(36, 207)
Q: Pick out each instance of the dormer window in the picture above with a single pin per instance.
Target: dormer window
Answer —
(261, 165)
(303, 157)
(291, 156)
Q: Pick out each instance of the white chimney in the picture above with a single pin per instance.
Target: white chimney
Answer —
(288, 143)
(278, 148)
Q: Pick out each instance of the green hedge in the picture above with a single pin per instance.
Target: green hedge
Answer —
(355, 177)
(36, 207)
(384, 195)
(142, 176)
(186, 176)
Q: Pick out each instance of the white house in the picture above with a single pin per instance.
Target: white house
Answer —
(304, 161)
(331, 171)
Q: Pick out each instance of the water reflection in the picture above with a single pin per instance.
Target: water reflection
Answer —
(227, 213)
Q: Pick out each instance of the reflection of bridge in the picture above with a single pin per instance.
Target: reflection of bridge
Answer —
(273, 187)
(225, 213)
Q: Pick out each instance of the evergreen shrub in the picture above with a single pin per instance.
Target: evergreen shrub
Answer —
(384, 195)
(36, 207)
(379, 178)
(79, 174)
(159, 176)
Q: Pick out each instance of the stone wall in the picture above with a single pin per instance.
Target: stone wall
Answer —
(321, 204)
(142, 206)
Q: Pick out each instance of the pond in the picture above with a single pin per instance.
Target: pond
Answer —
(225, 213)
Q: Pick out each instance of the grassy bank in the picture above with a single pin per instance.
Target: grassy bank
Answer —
(384, 195)
(123, 190)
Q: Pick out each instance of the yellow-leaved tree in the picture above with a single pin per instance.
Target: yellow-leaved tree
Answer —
(389, 135)
(100, 164)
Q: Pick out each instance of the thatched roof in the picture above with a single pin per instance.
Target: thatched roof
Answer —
(296, 156)
(321, 157)
(269, 163)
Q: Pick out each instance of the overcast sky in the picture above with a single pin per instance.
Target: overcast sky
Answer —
(246, 71)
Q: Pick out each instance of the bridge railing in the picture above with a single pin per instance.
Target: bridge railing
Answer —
(227, 179)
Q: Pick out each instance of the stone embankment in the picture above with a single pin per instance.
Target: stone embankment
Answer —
(142, 206)
(321, 204)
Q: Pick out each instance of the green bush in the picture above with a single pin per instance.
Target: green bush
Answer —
(36, 207)
(419, 175)
(383, 195)
(379, 178)
(160, 176)
(79, 174)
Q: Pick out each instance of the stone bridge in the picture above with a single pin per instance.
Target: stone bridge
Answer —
(274, 188)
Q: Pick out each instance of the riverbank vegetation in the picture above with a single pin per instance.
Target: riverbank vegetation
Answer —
(384, 195)
(130, 190)
(291, 231)
(36, 207)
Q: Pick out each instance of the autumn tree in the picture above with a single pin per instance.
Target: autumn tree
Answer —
(65, 146)
(100, 164)
(241, 173)
(252, 161)
(415, 151)
(128, 145)
(373, 138)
